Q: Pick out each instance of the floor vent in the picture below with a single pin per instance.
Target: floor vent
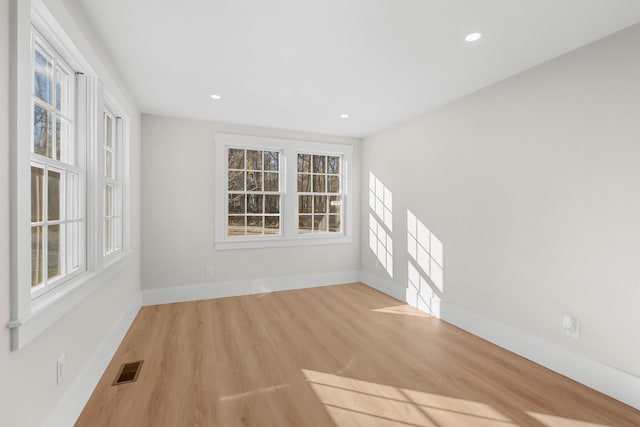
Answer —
(128, 373)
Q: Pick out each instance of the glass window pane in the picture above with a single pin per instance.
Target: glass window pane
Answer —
(108, 200)
(236, 158)
(108, 130)
(37, 194)
(108, 235)
(333, 184)
(54, 251)
(272, 225)
(237, 204)
(333, 165)
(254, 181)
(62, 91)
(305, 224)
(255, 203)
(63, 141)
(305, 204)
(37, 255)
(319, 164)
(108, 164)
(236, 226)
(319, 183)
(255, 225)
(272, 204)
(334, 204)
(54, 199)
(271, 160)
(304, 183)
(320, 204)
(254, 160)
(271, 181)
(334, 223)
(320, 223)
(72, 184)
(42, 131)
(236, 181)
(73, 246)
(43, 77)
(304, 162)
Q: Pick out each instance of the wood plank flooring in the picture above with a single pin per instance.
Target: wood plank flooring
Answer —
(334, 356)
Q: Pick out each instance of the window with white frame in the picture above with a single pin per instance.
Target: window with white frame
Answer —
(278, 192)
(112, 187)
(57, 173)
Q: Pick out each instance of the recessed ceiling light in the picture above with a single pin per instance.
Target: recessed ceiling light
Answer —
(344, 116)
(473, 37)
(215, 96)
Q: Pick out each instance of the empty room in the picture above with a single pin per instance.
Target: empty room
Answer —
(320, 213)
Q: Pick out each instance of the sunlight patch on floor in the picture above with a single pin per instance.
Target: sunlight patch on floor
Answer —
(555, 421)
(404, 309)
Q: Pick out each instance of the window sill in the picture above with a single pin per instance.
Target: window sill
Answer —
(280, 242)
(50, 307)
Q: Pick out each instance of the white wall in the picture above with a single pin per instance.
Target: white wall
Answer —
(178, 193)
(28, 391)
(533, 187)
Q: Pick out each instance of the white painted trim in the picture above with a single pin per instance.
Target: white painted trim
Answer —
(605, 379)
(383, 285)
(80, 391)
(245, 287)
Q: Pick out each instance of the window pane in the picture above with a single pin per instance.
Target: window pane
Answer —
(54, 200)
(43, 77)
(237, 204)
(271, 181)
(304, 162)
(73, 246)
(62, 91)
(333, 165)
(254, 160)
(320, 204)
(254, 225)
(255, 203)
(271, 160)
(320, 223)
(108, 235)
(236, 158)
(236, 226)
(304, 183)
(54, 251)
(305, 224)
(73, 196)
(305, 204)
(319, 183)
(37, 194)
(108, 131)
(334, 204)
(333, 184)
(254, 181)
(334, 223)
(108, 164)
(37, 255)
(272, 225)
(236, 181)
(272, 204)
(42, 132)
(108, 200)
(319, 164)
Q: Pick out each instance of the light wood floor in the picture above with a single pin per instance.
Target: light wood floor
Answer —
(334, 356)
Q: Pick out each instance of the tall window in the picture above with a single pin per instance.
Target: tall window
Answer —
(57, 176)
(319, 194)
(112, 201)
(253, 192)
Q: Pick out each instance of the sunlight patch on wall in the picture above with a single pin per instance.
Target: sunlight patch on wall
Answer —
(419, 293)
(426, 250)
(381, 223)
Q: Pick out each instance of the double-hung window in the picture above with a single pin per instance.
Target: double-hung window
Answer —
(57, 173)
(112, 184)
(277, 192)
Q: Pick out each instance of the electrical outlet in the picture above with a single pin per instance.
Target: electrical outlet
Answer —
(209, 271)
(61, 368)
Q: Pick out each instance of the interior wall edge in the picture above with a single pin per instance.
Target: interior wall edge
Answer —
(72, 404)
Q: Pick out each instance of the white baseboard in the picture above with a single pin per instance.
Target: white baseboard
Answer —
(245, 287)
(605, 379)
(72, 404)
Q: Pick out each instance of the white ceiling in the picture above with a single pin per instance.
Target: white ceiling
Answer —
(299, 64)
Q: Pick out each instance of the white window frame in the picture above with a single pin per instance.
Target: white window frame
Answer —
(289, 150)
(33, 314)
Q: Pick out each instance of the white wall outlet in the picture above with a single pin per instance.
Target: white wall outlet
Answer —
(571, 326)
(61, 368)
(209, 270)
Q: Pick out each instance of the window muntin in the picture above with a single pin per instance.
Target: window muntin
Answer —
(253, 192)
(319, 185)
(57, 217)
(112, 185)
